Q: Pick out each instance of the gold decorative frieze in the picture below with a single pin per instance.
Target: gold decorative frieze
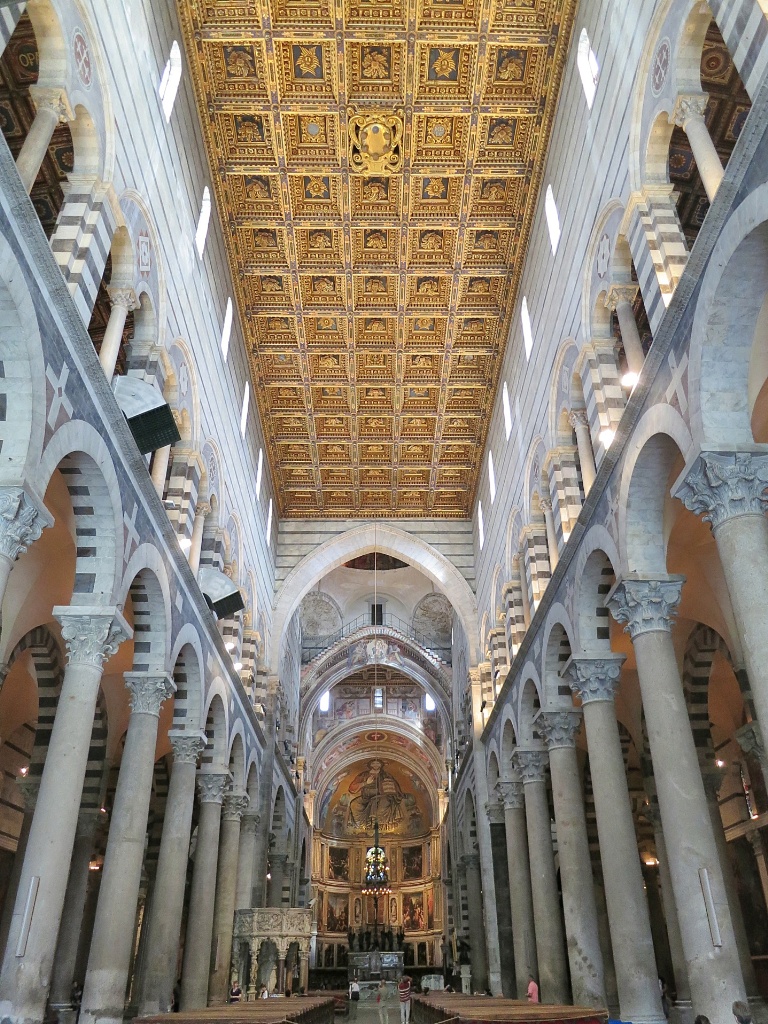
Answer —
(376, 169)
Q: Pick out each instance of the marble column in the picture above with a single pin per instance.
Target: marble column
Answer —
(727, 490)
(277, 864)
(92, 636)
(52, 107)
(164, 927)
(549, 526)
(246, 860)
(559, 730)
(594, 681)
(755, 840)
(22, 520)
(750, 739)
(106, 978)
(648, 606)
(160, 469)
(199, 933)
(29, 788)
(620, 299)
(477, 947)
(521, 898)
(226, 886)
(198, 527)
(548, 920)
(123, 301)
(72, 916)
(580, 422)
(689, 115)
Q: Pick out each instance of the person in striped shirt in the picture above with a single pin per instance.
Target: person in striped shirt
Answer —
(404, 991)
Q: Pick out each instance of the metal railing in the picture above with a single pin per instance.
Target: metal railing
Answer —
(313, 646)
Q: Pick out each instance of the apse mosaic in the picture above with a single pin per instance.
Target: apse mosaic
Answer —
(377, 186)
(375, 790)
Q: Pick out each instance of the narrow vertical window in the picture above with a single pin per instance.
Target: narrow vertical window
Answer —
(378, 698)
(429, 704)
(244, 409)
(527, 332)
(259, 470)
(507, 410)
(480, 524)
(269, 522)
(169, 83)
(226, 330)
(589, 69)
(491, 477)
(553, 219)
(325, 702)
(202, 222)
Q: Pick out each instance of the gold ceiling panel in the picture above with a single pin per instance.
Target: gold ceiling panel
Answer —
(376, 305)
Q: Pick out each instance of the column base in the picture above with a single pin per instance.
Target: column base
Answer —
(681, 1012)
(759, 1009)
(65, 1013)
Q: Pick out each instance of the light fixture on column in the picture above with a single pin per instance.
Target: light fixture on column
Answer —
(376, 879)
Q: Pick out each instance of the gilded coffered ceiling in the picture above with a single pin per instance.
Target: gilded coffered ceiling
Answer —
(376, 165)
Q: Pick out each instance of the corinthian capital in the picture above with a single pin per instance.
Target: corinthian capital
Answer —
(690, 105)
(148, 691)
(559, 728)
(235, 806)
(530, 764)
(646, 605)
(250, 823)
(125, 298)
(21, 521)
(211, 786)
(512, 795)
(187, 746)
(578, 418)
(92, 635)
(723, 486)
(495, 811)
(619, 293)
(595, 679)
(750, 739)
(53, 99)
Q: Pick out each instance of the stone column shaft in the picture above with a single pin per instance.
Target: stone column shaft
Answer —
(478, 954)
(197, 947)
(160, 468)
(106, 978)
(714, 971)
(594, 681)
(92, 635)
(29, 788)
(74, 906)
(277, 863)
(548, 921)
(52, 107)
(226, 885)
(198, 527)
(580, 423)
(123, 300)
(620, 298)
(549, 526)
(689, 114)
(246, 861)
(579, 908)
(521, 899)
(164, 928)
(758, 848)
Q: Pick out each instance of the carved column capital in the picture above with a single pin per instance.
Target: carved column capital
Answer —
(235, 806)
(88, 820)
(471, 860)
(186, 746)
(202, 508)
(750, 739)
(512, 795)
(531, 765)
(545, 504)
(53, 99)
(619, 293)
(688, 106)
(211, 786)
(250, 823)
(92, 635)
(755, 840)
(148, 691)
(559, 728)
(578, 418)
(21, 521)
(595, 679)
(123, 297)
(29, 789)
(646, 605)
(721, 486)
(495, 811)
(712, 777)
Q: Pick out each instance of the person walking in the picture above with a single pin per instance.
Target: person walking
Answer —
(382, 1002)
(404, 991)
(354, 998)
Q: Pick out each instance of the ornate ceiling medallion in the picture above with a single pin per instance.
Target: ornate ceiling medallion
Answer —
(374, 142)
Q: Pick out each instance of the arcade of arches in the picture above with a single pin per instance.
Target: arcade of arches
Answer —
(383, 487)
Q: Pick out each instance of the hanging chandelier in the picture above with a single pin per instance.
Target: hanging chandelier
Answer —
(376, 881)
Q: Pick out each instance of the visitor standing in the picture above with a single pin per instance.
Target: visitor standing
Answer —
(235, 993)
(404, 991)
(533, 990)
(354, 998)
(382, 1002)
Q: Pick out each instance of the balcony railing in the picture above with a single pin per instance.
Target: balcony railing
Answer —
(313, 646)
